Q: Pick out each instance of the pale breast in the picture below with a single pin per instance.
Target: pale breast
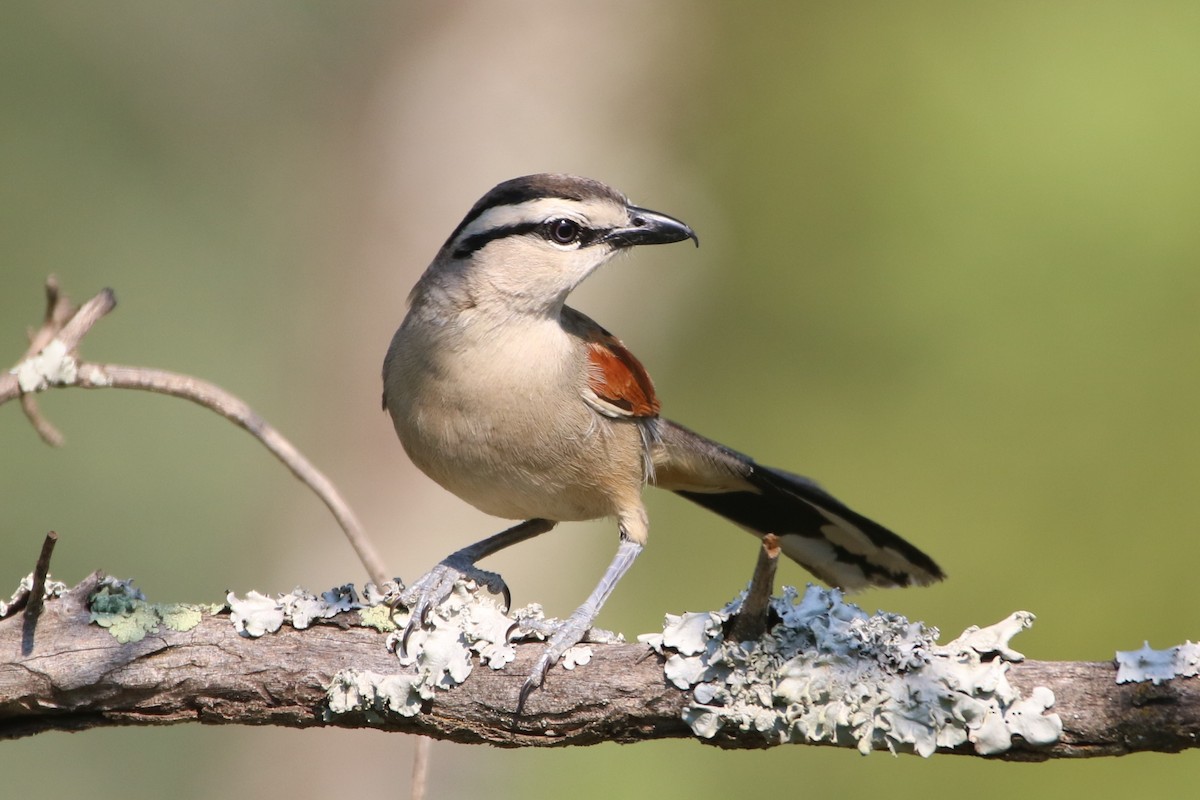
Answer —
(497, 418)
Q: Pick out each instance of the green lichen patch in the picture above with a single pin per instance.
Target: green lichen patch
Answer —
(122, 609)
(183, 616)
(130, 625)
(115, 596)
(378, 617)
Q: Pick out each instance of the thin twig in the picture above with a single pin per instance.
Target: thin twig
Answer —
(88, 315)
(37, 593)
(44, 428)
(214, 398)
(69, 329)
(752, 621)
(420, 774)
(61, 324)
(58, 311)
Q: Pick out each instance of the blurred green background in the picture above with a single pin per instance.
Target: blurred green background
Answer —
(950, 268)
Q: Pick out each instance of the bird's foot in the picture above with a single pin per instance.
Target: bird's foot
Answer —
(434, 587)
(530, 628)
(569, 633)
(573, 629)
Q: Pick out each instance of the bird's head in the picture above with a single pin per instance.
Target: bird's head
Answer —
(531, 240)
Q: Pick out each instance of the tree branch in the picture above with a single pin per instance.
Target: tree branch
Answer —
(79, 676)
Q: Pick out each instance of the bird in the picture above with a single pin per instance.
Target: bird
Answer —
(529, 410)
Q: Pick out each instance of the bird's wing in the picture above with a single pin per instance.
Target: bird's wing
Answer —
(617, 385)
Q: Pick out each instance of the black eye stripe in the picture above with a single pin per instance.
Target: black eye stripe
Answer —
(478, 241)
(589, 236)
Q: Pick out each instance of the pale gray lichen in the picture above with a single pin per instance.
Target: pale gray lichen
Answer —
(53, 366)
(467, 623)
(50, 588)
(301, 608)
(469, 627)
(443, 662)
(257, 614)
(576, 656)
(121, 608)
(373, 694)
(1156, 666)
(829, 672)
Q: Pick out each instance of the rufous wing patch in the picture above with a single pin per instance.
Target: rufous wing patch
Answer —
(618, 378)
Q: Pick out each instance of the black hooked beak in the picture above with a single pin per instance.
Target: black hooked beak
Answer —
(650, 227)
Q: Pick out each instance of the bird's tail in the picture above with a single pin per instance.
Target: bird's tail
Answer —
(838, 545)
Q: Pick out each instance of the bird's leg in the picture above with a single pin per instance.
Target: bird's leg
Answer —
(573, 628)
(436, 585)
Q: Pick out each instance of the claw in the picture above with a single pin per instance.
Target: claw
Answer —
(418, 618)
(535, 680)
(569, 633)
(394, 606)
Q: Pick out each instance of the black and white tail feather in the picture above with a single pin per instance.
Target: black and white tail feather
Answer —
(830, 540)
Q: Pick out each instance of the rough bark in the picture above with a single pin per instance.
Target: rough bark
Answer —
(67, 674)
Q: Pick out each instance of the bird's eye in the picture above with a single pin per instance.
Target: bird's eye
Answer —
(563, 231)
